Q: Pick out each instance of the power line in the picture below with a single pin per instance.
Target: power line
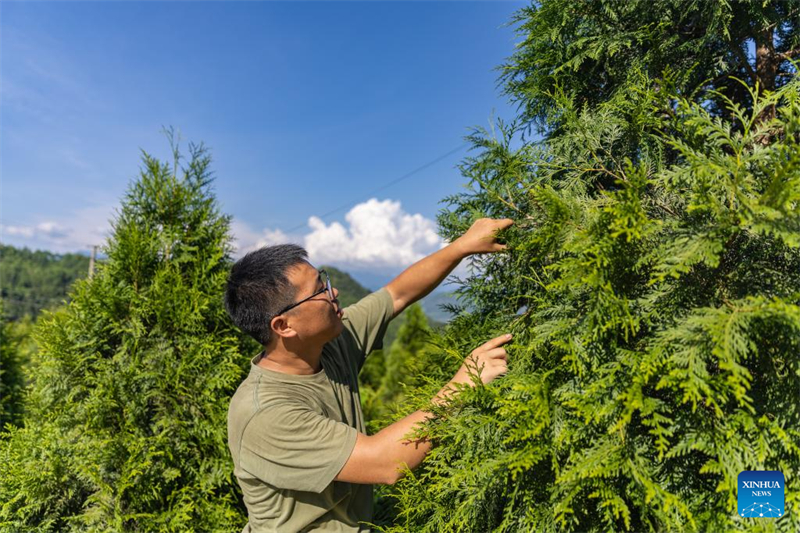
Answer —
(397, 180)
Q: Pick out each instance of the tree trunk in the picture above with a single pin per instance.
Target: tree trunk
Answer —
(767, 62)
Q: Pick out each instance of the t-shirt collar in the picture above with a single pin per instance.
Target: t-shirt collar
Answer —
(256, 370)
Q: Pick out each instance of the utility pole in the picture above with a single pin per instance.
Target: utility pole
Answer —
(91, 261)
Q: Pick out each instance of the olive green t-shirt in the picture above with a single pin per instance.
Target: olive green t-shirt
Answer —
(290, 435)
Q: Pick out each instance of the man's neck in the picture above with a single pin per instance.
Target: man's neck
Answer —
(280, 359)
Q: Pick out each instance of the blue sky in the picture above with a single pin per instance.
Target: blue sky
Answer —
(305, 106)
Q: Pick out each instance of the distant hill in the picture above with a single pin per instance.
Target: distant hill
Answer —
(34, 280)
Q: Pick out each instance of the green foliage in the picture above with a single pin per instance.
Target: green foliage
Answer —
(587, 50)
(12, 379)
(384, 377)
(126, 414)
(653, 288)
(36, 280)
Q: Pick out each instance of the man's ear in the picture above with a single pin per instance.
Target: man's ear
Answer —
(280, 327)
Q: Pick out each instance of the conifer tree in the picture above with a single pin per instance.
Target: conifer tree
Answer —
(653, 287)
(126, 418)
(12, 380)
(398, 368)
(386, 375)
(33, 280)
(587, 51)
(402, 362)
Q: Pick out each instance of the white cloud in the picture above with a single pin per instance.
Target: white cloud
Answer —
(245, 239)
(18, 231)
(43, 230)
(79, 232)
(377, 235)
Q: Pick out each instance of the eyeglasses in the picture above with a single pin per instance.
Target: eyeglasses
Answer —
(327, 288)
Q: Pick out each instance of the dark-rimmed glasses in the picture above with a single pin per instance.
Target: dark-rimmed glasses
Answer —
(327, 287)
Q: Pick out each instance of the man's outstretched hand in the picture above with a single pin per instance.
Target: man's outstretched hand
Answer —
(480, 237)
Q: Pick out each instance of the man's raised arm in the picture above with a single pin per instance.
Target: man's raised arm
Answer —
(418, 280)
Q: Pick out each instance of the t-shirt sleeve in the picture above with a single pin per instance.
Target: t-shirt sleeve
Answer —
(290, 446)
(366, 322)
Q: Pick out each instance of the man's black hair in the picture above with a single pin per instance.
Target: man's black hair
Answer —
(258, 287)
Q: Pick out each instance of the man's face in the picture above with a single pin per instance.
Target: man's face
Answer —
(318, 319)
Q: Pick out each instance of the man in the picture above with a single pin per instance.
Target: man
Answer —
(295, 427)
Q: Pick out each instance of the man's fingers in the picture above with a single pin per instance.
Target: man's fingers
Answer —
(500, 367)
(501, 223)
(494, 343)
(497, 353)
(506, 222)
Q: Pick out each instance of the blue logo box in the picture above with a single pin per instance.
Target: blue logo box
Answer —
(761, 494)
